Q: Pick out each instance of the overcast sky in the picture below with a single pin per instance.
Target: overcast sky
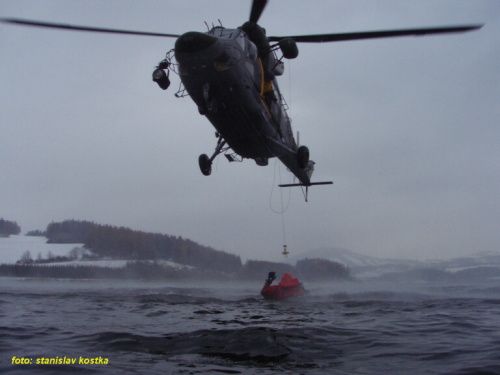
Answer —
(408, 129)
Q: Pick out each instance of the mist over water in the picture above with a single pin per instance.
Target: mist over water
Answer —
(339, 328)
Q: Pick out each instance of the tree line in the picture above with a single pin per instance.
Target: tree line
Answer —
(107, 241)
(124, 243)
(8, 227)
(308, 269)
(253, 270)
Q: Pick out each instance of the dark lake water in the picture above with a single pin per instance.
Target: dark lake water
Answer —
(345, 328)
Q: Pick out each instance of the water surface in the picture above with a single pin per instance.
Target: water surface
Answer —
(159, 328)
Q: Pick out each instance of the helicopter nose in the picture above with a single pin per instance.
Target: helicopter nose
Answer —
(193, 41)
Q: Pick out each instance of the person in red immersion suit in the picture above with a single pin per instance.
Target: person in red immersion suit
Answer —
(288, 286)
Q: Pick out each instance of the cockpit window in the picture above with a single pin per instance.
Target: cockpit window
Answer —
(222, 32)
(216, 31)
(251, 50)
(240, 38)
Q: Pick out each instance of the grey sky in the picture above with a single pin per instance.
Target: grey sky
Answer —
(408, 129)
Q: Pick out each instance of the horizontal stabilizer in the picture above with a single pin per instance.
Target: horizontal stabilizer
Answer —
(309, 184)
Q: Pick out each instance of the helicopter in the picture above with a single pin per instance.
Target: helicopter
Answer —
(231, 74)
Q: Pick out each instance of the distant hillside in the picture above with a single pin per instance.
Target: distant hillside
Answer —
(318, 269)
(362, 265)
(93, 249)
(306, 269)
(258, 269)
(346, 257)
(125, 243)
(8, 227)
(479, 266)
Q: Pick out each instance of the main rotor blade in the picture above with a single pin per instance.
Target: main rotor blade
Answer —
(51, 25)
(340, 37)
(257, 9)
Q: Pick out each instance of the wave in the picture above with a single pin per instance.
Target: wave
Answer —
(257, 344)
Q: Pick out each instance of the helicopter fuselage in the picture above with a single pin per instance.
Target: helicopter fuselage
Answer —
(224, 75)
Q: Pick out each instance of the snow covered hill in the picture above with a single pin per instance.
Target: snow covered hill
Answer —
(13, 247)
(350, 258)
(368, 266)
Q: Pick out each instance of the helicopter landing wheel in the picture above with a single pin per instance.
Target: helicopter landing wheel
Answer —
(303, 156)
(205, 164)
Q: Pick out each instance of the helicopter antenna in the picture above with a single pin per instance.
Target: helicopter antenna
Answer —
(206, 24)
